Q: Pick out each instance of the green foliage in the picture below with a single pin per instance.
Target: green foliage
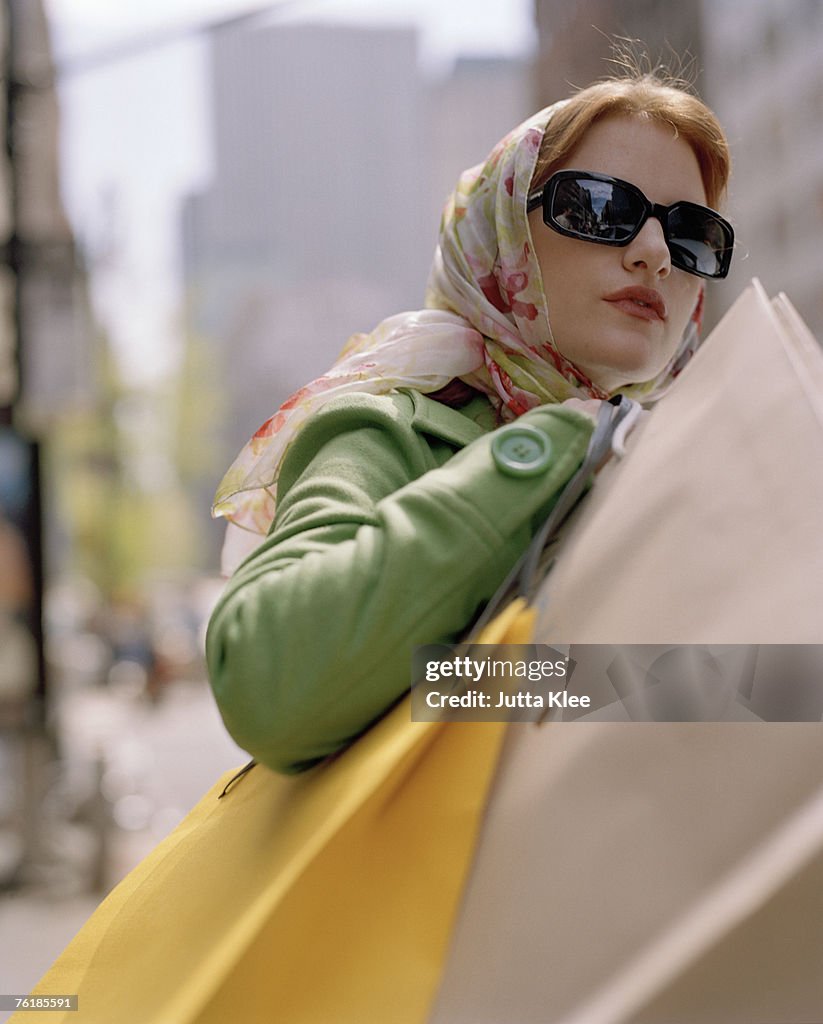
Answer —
(122, 475)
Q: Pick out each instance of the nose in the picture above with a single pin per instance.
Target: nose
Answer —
(648, 250)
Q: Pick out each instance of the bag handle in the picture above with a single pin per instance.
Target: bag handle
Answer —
(615, 419)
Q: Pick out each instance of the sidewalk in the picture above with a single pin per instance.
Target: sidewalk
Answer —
(154, 762)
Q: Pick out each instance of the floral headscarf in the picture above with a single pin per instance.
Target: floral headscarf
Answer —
(486, 322)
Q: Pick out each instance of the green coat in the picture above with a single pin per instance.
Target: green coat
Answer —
(394, 525)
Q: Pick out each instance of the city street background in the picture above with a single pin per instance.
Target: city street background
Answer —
(200, 200)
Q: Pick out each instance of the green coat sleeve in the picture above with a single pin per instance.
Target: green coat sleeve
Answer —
(384, 539)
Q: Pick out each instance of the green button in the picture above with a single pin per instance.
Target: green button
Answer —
(521, 450)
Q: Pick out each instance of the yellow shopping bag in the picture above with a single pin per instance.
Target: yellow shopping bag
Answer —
(322, 898)
(327, 898)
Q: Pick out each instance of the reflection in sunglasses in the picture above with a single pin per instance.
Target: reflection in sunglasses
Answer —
(598, 208)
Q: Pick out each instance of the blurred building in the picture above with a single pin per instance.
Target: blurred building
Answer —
(766, 75)
(333, 158)
(45, 359)
(577, 38)
(311, 229)
(469, 111)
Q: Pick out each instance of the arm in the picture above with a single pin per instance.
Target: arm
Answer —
(376, 548)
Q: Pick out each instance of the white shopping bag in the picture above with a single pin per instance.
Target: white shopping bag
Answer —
(710, 531)
(670, 872)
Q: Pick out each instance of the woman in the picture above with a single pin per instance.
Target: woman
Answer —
(405, 491)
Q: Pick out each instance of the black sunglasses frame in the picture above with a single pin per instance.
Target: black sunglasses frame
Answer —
(545, 195)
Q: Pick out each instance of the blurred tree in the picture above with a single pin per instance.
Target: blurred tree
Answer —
(123, 514)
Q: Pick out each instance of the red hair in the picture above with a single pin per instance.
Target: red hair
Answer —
(645, 96)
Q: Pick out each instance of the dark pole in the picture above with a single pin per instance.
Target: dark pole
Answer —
(20, 256)
(12, 255)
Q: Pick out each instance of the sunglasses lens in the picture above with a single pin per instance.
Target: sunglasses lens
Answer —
(698, 241)
(595, 209)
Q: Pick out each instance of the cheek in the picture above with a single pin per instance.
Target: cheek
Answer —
(556, 257)
(684, 303)
(571, 272)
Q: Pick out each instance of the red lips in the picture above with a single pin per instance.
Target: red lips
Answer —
(645, 303)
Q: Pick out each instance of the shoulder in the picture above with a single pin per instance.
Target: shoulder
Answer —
(348, 417)
(412, 411)
(405, 408)
(366, 434)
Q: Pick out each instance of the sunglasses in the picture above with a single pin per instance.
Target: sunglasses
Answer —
(598, 208)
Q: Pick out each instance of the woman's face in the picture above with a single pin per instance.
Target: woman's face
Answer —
(614, 339)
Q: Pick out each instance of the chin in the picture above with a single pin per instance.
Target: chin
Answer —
(640, 361)
(612, 378)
